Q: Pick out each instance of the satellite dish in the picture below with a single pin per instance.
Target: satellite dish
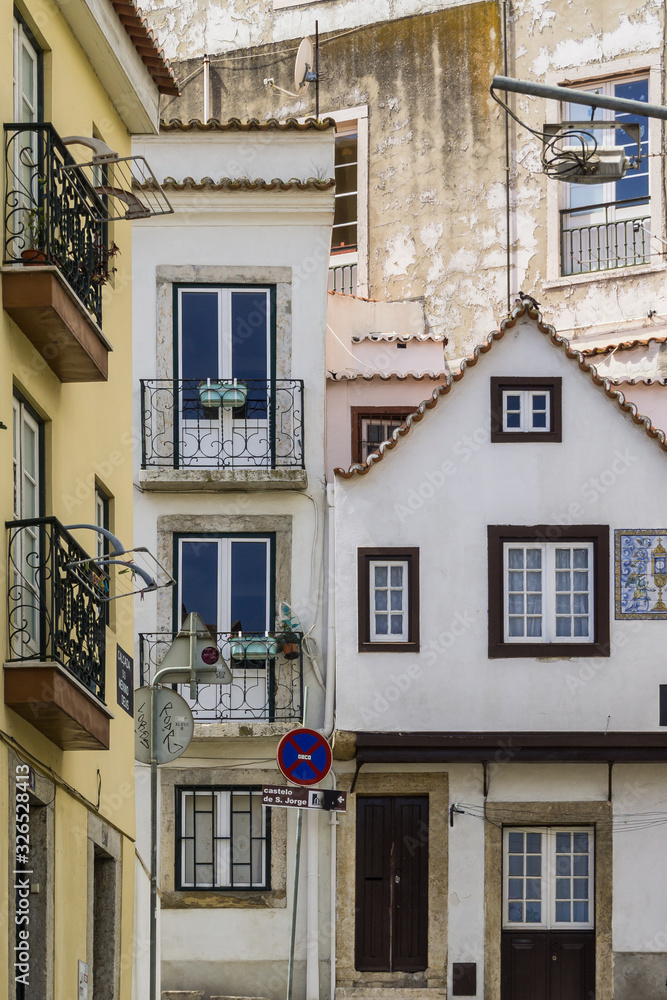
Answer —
(303, 67)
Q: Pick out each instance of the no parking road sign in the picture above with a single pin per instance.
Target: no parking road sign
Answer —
(304, 756)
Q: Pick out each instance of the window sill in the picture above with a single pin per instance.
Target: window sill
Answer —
(388, 647)
(567, 281)
(207, 899)
(547, 650)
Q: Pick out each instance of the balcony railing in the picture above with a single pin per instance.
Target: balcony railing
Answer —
(267, 676)
(51, 216)
(56, 611)
(343, 278)
(178, 432)
(596, 239)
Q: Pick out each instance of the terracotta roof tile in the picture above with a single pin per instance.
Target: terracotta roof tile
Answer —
(252, 125)
(626, 345)
(385, 376)
(524, 307)
(245, 184)
(147, 46)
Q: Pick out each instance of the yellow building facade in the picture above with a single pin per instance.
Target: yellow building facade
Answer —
(86, 68)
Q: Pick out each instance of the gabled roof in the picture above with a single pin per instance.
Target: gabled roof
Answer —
(523, 307)
(146, 44)
(252, 125)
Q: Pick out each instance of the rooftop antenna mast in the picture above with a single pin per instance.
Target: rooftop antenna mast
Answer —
(207, 65)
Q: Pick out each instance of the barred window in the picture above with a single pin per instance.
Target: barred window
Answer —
(223, 839)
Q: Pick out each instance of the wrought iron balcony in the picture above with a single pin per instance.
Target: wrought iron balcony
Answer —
(52, 216)
(267, 676)
(56, 609)
(179, 432)
(602, 237)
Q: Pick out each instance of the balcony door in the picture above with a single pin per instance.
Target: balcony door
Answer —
(25, 598)
(548, 936)
(27, 101)
(225, 333)
(227, 580)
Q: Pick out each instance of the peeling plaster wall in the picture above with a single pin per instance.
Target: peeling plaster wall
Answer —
(436, 193)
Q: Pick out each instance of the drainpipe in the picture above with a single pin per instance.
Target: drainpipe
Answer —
(207, 64)
(330, 680)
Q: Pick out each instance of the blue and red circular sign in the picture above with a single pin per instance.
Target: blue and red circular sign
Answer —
(304, 756)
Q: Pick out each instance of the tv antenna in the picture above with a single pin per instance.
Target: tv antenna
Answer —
(306, 70)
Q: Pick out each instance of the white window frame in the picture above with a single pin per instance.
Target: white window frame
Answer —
(224, 575)
(548, 879)
(614, 71)
(548, 613)
(223, 829)
(356, 119)
(389, 636)
(526, 411)
(22, 43)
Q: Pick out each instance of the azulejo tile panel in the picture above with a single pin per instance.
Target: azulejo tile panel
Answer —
(641, 573)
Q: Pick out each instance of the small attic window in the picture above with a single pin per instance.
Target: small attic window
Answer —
(526, 409)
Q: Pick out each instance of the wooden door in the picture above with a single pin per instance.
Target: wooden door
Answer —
(392, 884)
(548, 965)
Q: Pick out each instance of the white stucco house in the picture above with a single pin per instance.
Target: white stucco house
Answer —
(229, 320)
(500, 703)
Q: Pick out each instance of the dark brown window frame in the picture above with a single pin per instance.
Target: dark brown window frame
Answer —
(598, 534)
(359, 413)
(555, 388)
(365, 556)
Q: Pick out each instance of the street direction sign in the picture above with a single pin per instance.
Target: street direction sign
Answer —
(304, 756)
(175, 725)
(304, 798)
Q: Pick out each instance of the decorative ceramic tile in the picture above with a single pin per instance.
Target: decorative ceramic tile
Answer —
(641, 572)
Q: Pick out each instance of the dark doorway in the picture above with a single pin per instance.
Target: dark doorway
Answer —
(548, 965)
(392, 884)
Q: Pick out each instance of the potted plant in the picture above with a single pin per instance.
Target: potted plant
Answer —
(289, 645)
(104, 267)
(210, 393)
(36, 232)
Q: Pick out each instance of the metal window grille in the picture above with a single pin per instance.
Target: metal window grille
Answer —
(223, 838)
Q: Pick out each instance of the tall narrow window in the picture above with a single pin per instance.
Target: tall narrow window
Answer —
(548, 878)
(344, 232)
(27, 74)
(607, 225)
(225, 341)
(25, 559)
(388, 593)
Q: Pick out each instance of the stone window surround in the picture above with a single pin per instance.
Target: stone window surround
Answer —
(436, 786)
(602, 72)
(206, 274)
(596, 814)
(104, 841)
(169, 525)
(274, 898)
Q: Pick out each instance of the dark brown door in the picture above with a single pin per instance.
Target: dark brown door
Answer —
(548, 965)
(392, 884)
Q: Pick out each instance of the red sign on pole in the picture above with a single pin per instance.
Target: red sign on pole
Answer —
(304, 756)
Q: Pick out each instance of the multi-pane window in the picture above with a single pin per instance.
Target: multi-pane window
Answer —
(223, 839)
(344, 232)
(389, 601)
(526, 410)
(27, 71)
(548, 878)
(549, 592)
(608, 225)
(388, 592)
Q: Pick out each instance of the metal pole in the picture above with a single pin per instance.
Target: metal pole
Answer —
(153, 921)
(297, 856)
(579, 97)
(206, 86)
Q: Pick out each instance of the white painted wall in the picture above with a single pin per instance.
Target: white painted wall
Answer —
(606, 471)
